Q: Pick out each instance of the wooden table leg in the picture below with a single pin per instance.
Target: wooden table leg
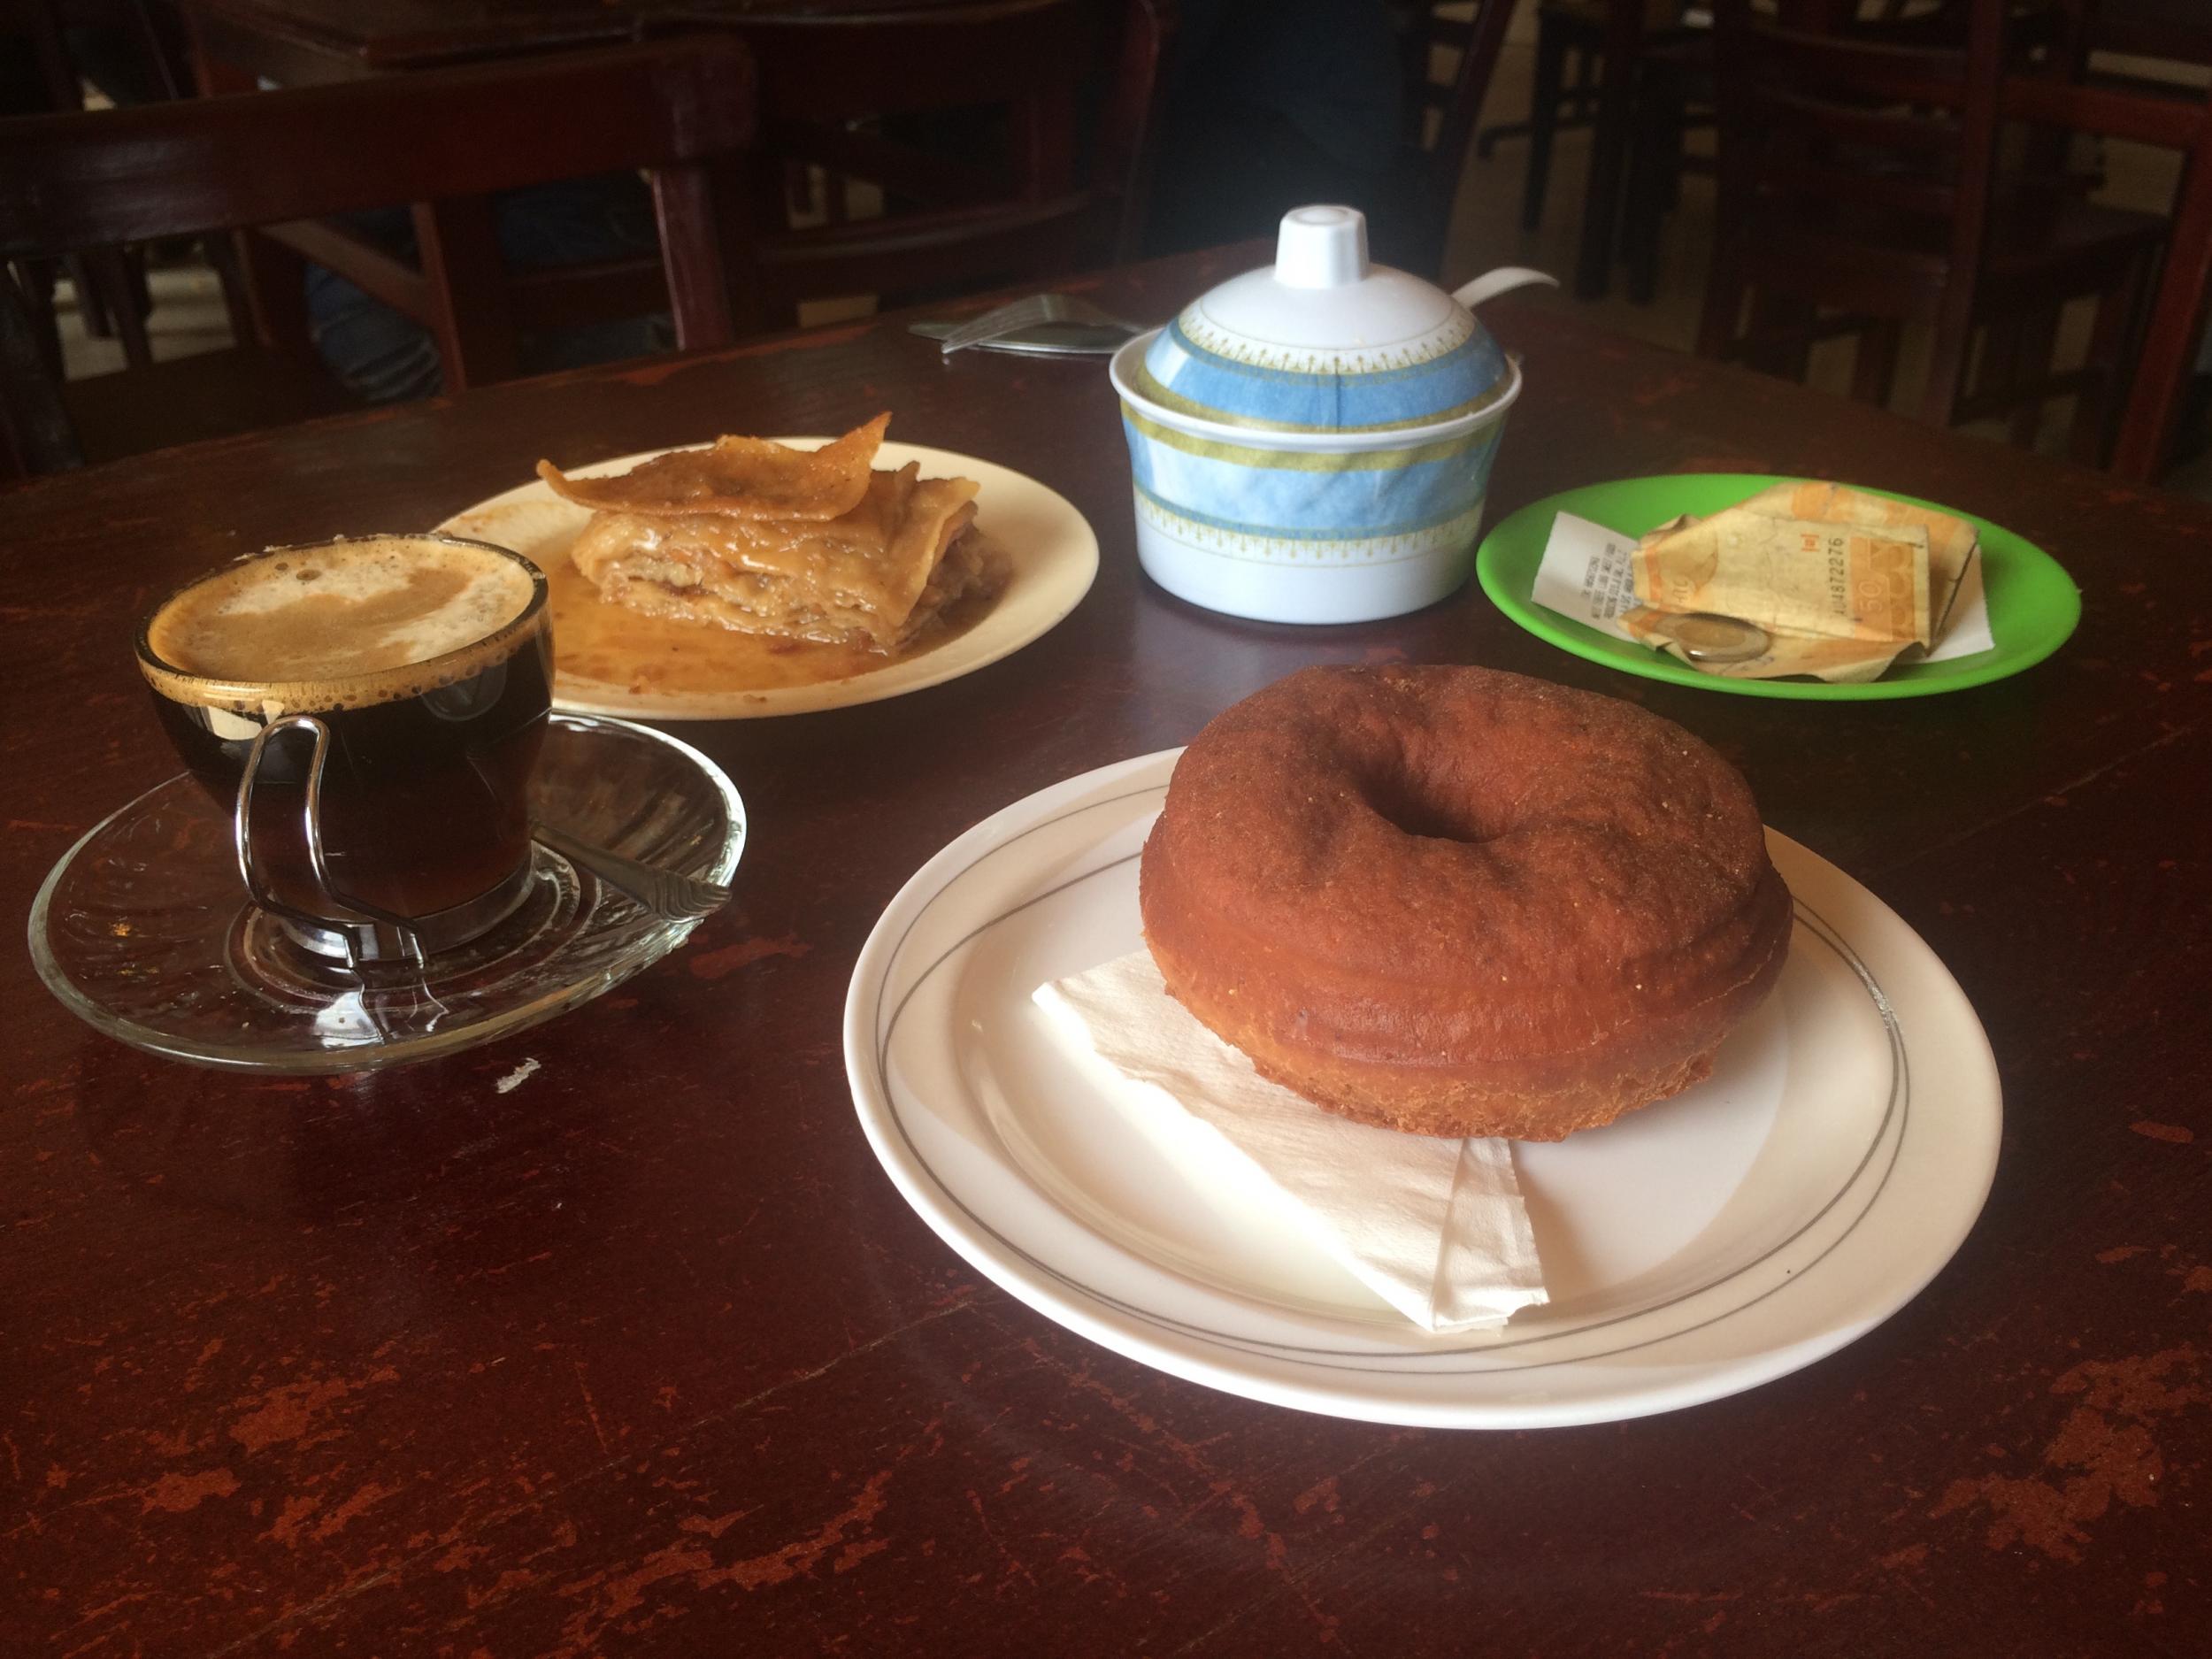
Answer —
(1608, 146)
(2176, 334)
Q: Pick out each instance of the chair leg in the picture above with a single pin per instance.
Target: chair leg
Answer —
(36, 280)
(1653, 167)
(467, 279)
(1874, 362)
(1718, 328)
(92, 311)
(35, 430)
(2097, 412)
(1579, 96)
(162, 63)
(221, 254)
(2000, 364)
(108, 301)
(275, 280)
(1543, 119)
(1612, 132)
(134, 302)
(1781, 338)
(1947, 372)
(1640, 213)
(691, 204)
(2032, 361)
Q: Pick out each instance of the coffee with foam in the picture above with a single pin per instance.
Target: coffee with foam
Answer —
(407, 679)
(350, 621)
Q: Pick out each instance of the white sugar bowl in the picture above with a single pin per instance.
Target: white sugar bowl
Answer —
(1312, 441)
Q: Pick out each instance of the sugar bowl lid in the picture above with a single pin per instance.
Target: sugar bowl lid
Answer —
(1323, 341)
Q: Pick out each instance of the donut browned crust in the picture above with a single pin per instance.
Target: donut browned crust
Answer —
(1456, 901)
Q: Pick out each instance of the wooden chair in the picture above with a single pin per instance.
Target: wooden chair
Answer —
(109, 283)
(1450, 58)
(1010, 140)
(448, 139)
(1570, 35)
(1563, 98)
(1860, 189)
(1670, 78)
(1673, 98)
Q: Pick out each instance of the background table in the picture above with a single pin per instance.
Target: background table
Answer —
(299, 43)
(641, 1353)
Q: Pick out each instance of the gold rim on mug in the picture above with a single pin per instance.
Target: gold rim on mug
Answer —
(212, 691)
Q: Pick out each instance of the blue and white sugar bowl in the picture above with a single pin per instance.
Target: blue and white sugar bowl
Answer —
(1312, 443)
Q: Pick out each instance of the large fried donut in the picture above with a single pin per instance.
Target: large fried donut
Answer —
(1456, 901)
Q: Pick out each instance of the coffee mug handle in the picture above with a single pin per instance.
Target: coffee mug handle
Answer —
(343, 914)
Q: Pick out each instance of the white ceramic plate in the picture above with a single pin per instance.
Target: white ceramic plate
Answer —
(1053, 550)
(1823, 1175)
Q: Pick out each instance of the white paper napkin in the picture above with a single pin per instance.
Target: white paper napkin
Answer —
(1584, 576)
(1435, 1227)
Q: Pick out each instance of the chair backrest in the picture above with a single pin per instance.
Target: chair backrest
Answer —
(1823, 130)
(1447, 58)
(684, 110)
(1010, 140)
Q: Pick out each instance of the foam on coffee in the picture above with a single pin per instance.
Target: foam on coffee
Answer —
(346, 622)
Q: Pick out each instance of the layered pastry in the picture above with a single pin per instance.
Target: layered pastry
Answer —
(812, 545)
(1454, 901)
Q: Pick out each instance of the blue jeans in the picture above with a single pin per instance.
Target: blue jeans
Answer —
(383, 357)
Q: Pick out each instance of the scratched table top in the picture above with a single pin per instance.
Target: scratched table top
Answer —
(635, 1349)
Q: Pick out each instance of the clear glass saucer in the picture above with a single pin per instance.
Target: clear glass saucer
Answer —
(143, 929)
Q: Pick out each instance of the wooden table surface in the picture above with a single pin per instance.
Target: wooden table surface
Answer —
(299, 41)
(645, 1355)
(2177, 29)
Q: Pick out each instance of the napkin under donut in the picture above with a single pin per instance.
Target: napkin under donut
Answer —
(1435, 1227)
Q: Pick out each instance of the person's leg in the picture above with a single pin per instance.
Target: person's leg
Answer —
(376, 354)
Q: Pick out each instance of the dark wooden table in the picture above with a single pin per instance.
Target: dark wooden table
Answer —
(2176, 29)
(645, 1356)
(301, 42)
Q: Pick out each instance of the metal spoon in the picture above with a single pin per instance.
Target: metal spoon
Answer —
(669, 895)
(1044, 340)
(1019, 315)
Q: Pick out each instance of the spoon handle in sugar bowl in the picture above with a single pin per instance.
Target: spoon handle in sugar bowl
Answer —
(1490, 284)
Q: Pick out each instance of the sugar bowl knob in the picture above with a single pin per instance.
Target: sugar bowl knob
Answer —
(1321, 247)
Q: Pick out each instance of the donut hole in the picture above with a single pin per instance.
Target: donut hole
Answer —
(1432, 806)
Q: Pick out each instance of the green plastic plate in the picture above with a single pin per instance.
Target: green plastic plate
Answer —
(2033, 604)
